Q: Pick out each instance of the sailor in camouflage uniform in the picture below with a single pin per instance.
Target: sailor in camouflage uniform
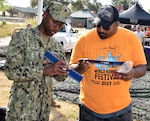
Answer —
(31, 91)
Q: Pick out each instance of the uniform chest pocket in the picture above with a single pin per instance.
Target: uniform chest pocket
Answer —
(34, 56)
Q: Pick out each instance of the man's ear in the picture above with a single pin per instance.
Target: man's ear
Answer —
(44, 14)
(118, 22)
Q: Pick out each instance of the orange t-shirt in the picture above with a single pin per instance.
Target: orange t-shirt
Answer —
(99, 90)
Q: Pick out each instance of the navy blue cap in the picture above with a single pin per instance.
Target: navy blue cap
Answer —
(106, 16)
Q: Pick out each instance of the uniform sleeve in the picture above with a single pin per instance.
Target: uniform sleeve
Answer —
(57, 49)
(15, 67)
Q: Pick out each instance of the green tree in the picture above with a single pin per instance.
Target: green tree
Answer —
(77, 5)
(33, 3)
(82, 4)
(126, 3)
(94, 6)
(4, 6)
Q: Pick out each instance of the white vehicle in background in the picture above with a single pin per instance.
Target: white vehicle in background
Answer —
(67, 37)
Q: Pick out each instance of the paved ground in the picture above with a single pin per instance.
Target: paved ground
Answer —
(4, 41)
(3, 48)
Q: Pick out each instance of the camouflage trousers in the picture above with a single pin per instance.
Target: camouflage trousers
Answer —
(30, 101)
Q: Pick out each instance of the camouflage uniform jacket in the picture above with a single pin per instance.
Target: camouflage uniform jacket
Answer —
(31, 90)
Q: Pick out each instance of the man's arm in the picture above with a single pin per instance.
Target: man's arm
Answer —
(136, 72)
(81, 66)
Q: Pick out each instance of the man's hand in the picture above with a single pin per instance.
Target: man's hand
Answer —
(135, 72)
(125, 76)
(58, 68)
(82, 65)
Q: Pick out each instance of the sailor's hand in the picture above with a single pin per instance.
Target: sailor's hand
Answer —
(58, 68)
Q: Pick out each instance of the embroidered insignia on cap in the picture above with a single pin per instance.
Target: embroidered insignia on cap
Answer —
(65, 11)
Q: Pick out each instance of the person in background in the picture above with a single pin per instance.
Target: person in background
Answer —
(127, 27)
(97, 54)
(32, 74)
(133, 28)
(140, 34)
(28, 26)
(16, 30)
(145, 31)
(148, 31)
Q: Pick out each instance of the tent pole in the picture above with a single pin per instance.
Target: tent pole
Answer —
(39, 14)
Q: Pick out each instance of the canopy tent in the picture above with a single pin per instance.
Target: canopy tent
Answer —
(135, 15)
(82, 18)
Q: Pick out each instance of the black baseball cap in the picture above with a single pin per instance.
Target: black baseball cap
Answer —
(106, 16)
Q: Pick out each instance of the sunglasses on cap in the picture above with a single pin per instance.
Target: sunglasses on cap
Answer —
(105, 28)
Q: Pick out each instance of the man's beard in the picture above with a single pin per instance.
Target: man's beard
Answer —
(102, 35)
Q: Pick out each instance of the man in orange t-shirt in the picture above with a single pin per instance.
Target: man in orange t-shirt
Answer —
(97, 54)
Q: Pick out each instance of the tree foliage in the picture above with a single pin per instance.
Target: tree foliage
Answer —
(126, 3)
(77, 5)
(4, 6)
(33, 3)
(93, 6)
(82, 4)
